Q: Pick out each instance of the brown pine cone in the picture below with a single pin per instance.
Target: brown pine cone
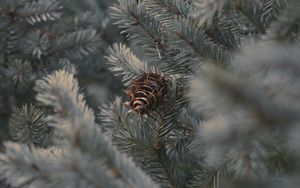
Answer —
(146, 93)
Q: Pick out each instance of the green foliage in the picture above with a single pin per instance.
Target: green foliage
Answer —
(287, 27)
(29, 125)
(84, 146)
(40, 36)
(124, 62)
(35, 34)
(229, 118)
(230, 144)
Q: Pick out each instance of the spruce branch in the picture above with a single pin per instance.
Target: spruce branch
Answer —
(85, 20)
(205, 10)
(146, 154)
(166, 12)
(11, 42)
(259, 13)
(177, 62)
(28, 125)
(77, 44)
(140, 27)
(177, 103)
(20, 72)
(112, 114)
(130, 137)
(169, 12)
(266, 61)
(146, 28)
(145, 140)
(125, 63)
(253, 11)
(81, 21)
(226, 30)
(61, 91)
(248, 95)
(40, 11)
(192, 36)
(189, 120)
(25, 167)
(245, 115)
(211, 176)
(285, 27)
(35, 44)
(66, 65)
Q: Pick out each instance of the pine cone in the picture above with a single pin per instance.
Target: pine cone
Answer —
(146, 93)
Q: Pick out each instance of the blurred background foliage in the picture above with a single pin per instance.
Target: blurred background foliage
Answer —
(37, 39)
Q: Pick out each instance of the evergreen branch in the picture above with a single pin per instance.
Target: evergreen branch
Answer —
(60, 90)
(259, 13)
(125, 126)
(77, 44)
(150, 158)
(35, 44)
(95, 174)
(287, 23)
(252, 100)
(90, 140)
(219, 27)
(144, 19)
(169, 118)
(145, 27)
(175, 62)
(168, 14)
(130, 137)
(12, 5)
(164, 160)
(140, 27)
(181, 160)
(28, 125)
(251, 97)
(241, 147)
(21, 166)
(225, 30)
(25, 167)
(205, 10)
(194, 37)
(189, 121)
(211, 177)
(169, 159)
(19, 72)
(178, 149)
(138, 138)
(167, 11)
(79, 22)
(40, 11)
(252, 10)
(125, 63)
(85, 20)
(262, 63)
(65, 64)
(12, 41)
(112, 114)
